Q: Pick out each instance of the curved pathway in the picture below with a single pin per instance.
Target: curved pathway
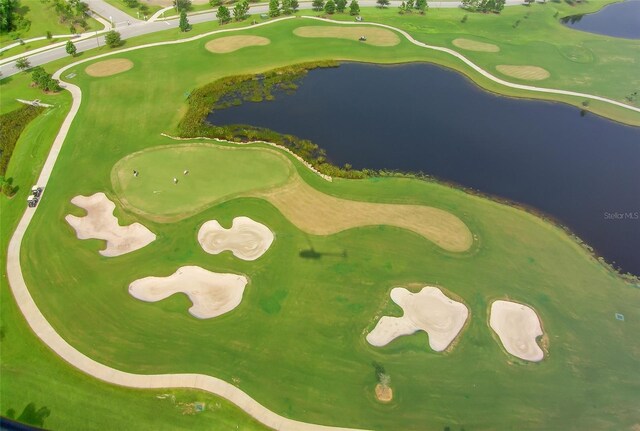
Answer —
(55, 342)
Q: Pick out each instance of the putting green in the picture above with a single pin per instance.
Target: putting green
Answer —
(215, 173)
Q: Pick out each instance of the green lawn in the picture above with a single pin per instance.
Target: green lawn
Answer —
(43, 18)
(215, 174)
(30, 46)
(296, 341)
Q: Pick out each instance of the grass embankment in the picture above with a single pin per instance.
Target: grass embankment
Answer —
(42, 17)
(296, 341)
(11, 126)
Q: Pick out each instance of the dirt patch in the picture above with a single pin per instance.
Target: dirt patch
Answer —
(321, 214)
(109, 67)
(234, 43)
(518, 327)
(211, 293)
(384, 394)
(527, 73)
(374, 36)
(472, 45)
(100, 223)
(429, 310)
(246, 239)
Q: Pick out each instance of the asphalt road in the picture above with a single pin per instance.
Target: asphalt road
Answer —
(130, 27)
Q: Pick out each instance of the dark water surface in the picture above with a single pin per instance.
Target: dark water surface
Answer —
(618, 20)
(584, 171)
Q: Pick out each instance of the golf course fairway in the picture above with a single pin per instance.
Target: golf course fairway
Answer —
(296, 342)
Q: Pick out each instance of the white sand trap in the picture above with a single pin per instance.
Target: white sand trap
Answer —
(211, 293)
(429, 310)
(474, 45)
(100, 223)
(527, 73)
(246, 239)
(109, 67)
(375, 36)
(227, 44)
(518, 326)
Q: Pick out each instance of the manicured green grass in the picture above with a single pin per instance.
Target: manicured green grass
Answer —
(29, 46)
(214, 174)
(43, 18)
(296, 342)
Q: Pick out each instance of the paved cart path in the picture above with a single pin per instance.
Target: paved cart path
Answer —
(55, 342)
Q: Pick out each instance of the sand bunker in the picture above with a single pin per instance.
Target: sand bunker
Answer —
(100, 223)
(246, 239)
(472, 45)
(518, 326)
(211, 293)
(384, 394)
(375, 36)
(109, 67)
(234, 43)
(429, 310)
(528, 73)
(321, 214)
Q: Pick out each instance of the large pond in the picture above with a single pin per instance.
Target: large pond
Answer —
(618, 20)
(583, 170)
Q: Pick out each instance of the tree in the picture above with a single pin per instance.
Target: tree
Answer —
(499, 5)
(182, 5)
(330, 7)
(240, 10)
(422, 6)
(43, 80)
(317, 5)
(112, 39)
(184, 22)
(410, 5)
(23, 63)
(7, 13)
(223, 15)
(214, 3)
(286, 7)
(71, 48)
(341, 5)
(354, 8)
(382, 3)
(295, 5)
(274, 8)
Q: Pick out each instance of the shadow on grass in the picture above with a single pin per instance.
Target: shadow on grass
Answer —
(30, 415)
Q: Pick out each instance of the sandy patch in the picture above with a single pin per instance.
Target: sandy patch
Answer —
(472, 45)
(234, 43)
(109, 67)
(429, 310)
(518, 326)
(211, 293)
(527, 73)
(246, 239)
(375, 36)
(321, 214)
(384, 394)
(100, 223)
